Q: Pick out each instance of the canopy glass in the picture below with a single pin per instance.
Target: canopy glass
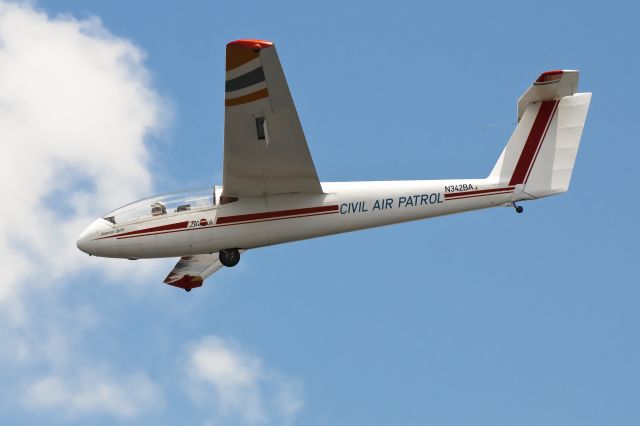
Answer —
(164, 204)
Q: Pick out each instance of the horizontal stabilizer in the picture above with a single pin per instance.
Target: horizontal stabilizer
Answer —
(551, 85)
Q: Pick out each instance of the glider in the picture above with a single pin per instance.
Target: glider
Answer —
(271, 193)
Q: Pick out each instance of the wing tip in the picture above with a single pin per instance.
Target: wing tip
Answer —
(250, 43)
(184, 282)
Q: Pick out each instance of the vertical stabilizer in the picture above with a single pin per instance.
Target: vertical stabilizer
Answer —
(538, 159)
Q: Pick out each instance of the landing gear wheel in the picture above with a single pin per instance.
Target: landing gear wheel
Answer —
(519, 209)
(229, 257)
(187, 290)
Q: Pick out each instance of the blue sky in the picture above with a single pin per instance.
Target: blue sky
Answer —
(483, 318)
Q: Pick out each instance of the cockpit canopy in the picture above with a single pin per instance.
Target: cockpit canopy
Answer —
(165, 204)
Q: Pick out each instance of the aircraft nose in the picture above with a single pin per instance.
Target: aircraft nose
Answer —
(87, 241)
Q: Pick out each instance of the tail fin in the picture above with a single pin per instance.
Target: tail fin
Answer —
(539, 157)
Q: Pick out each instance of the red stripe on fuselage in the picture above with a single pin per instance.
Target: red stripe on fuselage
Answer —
(280, 214)
(231, 224)
(456, 195)
(230, 220)
(171, 226)
(533, 143)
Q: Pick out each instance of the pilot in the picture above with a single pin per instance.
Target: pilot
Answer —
(158, 208)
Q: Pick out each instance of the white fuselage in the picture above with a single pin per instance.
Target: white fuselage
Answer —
(252, 222)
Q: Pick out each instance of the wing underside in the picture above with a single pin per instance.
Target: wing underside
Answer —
(191, 271)
(265, 150)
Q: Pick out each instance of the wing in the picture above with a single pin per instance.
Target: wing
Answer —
(265, 151)
(191, 271)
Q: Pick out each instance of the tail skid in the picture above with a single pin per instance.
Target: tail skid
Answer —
(539, 158)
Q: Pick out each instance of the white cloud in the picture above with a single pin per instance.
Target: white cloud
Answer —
(239, 384)
(93, 392)
(76, 107)
(76, 110)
